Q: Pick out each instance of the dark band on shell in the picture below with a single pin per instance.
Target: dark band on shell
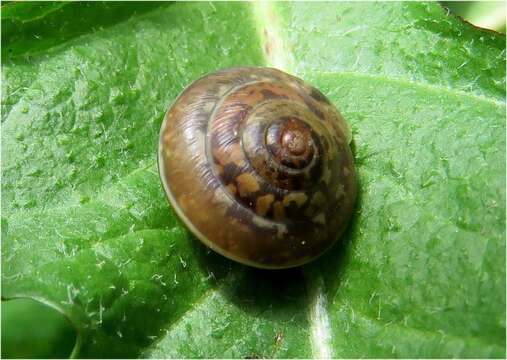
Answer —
(257, 163)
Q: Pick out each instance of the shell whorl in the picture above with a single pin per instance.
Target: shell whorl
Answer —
(258, 165)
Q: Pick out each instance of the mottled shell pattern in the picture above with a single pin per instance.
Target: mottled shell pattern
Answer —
(257, 164)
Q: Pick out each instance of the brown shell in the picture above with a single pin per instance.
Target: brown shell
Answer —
(257, 164)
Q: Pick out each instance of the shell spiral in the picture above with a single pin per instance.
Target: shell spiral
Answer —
(257, 164)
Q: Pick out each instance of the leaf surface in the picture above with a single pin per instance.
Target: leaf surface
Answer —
(86, 227)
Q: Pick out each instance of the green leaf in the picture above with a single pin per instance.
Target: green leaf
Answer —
(54, 340)
(86, 227)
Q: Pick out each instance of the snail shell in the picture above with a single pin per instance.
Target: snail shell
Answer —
(257, 164)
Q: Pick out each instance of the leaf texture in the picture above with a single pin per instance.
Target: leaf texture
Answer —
(87, 230)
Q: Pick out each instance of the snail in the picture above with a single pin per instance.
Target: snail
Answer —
(258, 166)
